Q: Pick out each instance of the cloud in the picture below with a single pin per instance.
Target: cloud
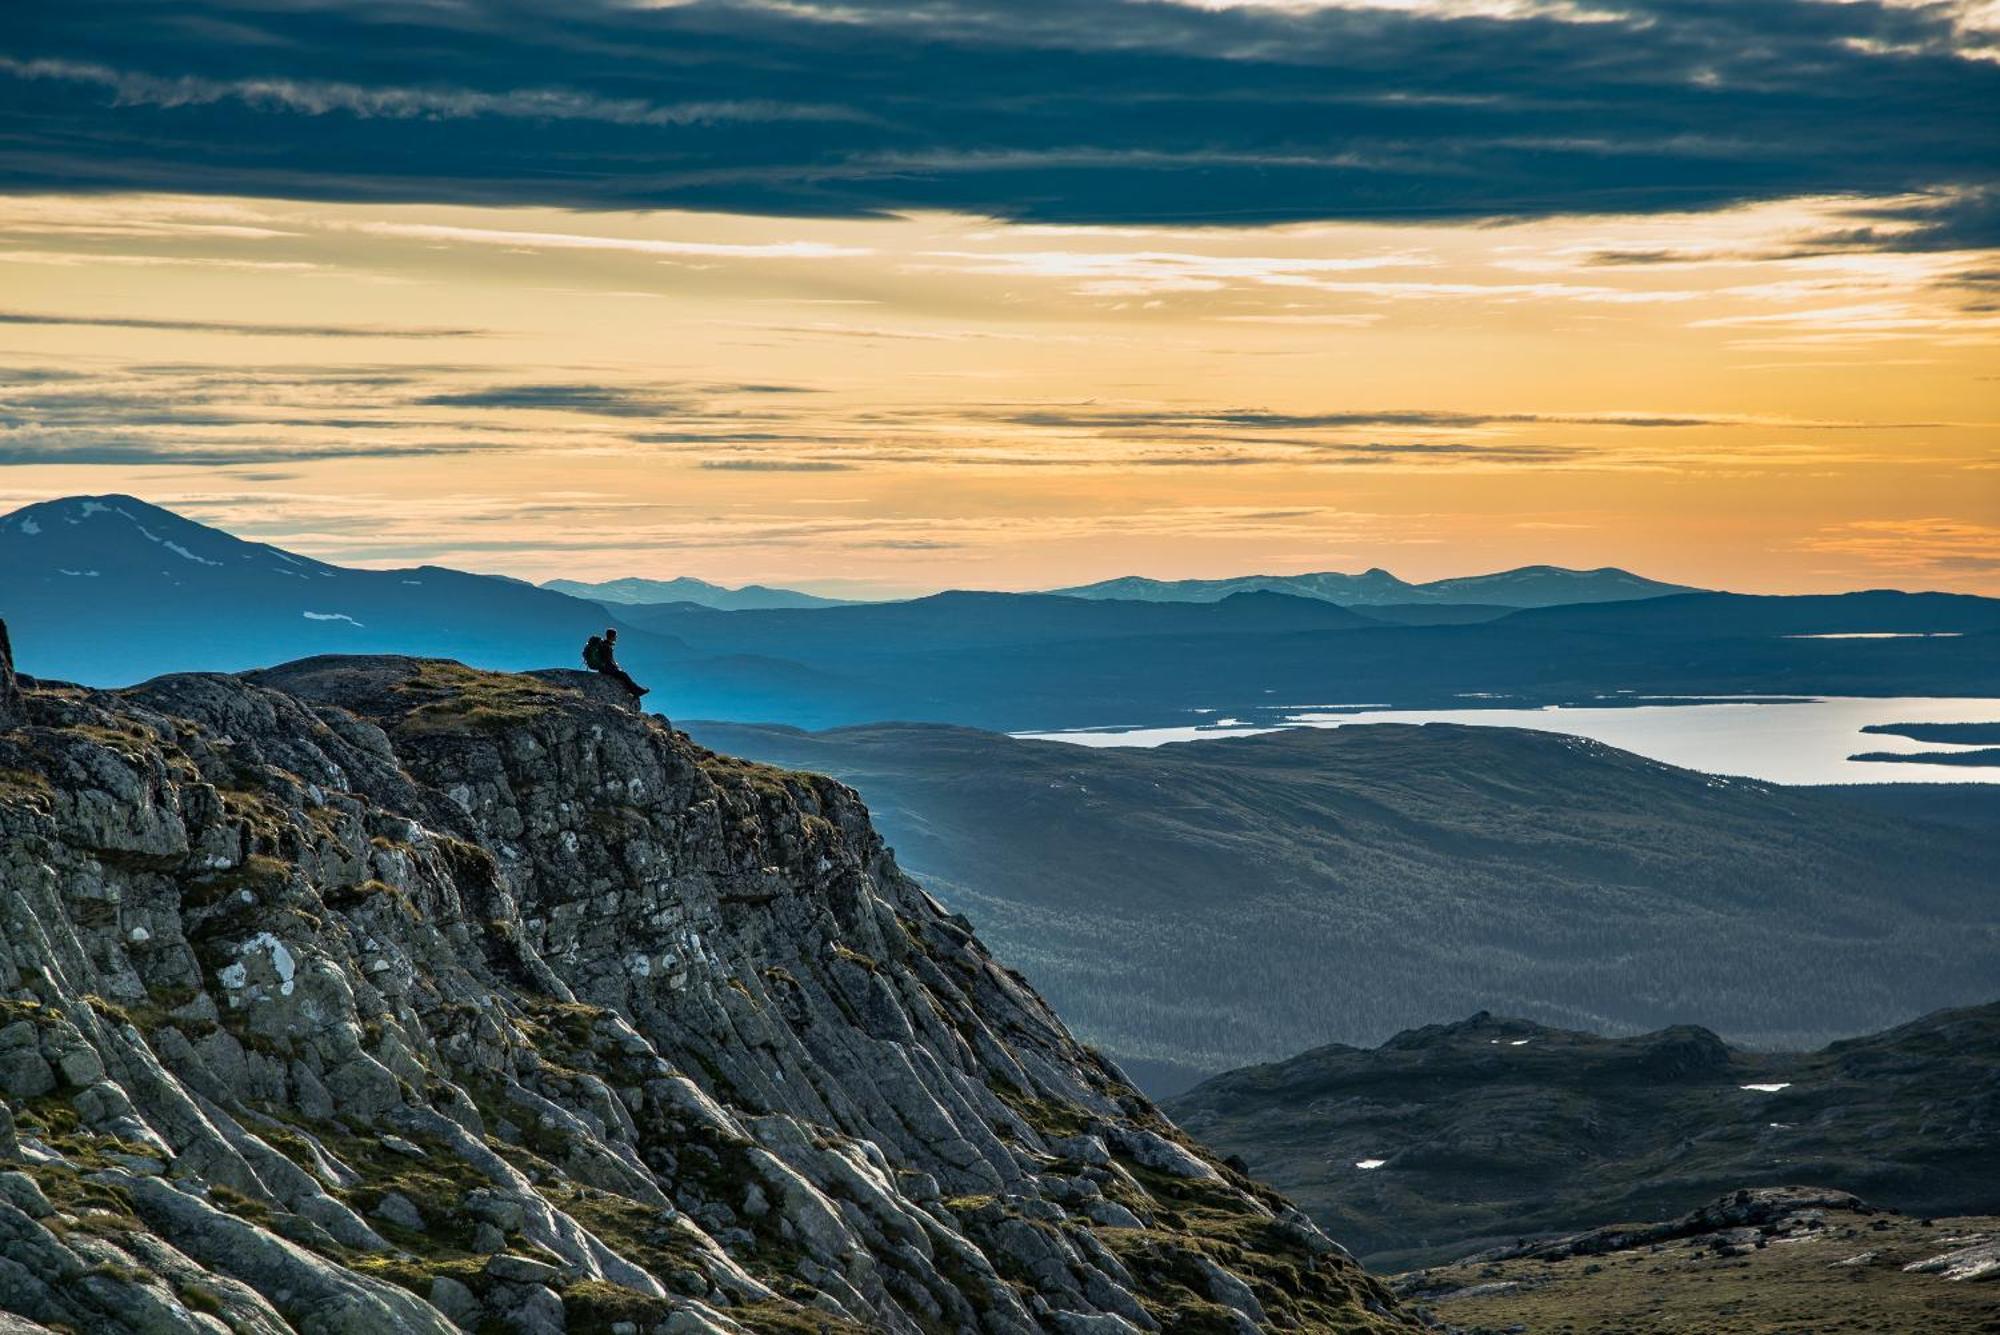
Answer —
(155, 453)
(597, 400)
(778, 465)
(1942, 546)
(1261, 419)
(1137, 273)
(315, 97)
(236, 326)
(67, 259)
(488, 236)
(175, 413)
(1040, 110)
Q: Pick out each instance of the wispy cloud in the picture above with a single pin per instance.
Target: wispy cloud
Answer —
(248, 327)
(778, 465)
(1138, 273)
(193, 413)
(1935, 544)
(154, 453)
(321, 97)
(77, 259)
(1262, 419)
(596, 400)
(486, 236)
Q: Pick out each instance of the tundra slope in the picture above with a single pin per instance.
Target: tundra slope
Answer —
(384, 995)
(1493, 1129)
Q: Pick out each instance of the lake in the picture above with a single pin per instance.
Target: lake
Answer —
(1785, 740)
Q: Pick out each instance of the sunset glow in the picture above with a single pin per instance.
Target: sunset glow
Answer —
(1787, 393)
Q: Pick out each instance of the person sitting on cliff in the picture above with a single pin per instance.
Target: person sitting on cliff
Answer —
(600, 656)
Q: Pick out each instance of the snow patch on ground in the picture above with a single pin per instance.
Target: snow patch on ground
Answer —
(86, 574)
(181, 551)
(1882, 635)
(1369, 1163)
(30, 527)
(1769, 1089)
(330, 616)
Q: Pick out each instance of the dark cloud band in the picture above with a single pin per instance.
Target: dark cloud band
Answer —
(1038, 109)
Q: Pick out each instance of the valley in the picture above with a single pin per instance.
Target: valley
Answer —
(1195, 907)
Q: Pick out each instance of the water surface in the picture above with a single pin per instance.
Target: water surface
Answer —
(1788, 740)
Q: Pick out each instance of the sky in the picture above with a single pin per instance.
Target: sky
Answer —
(882, 298)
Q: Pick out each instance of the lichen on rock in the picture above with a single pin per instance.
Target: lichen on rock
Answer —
(380, 994)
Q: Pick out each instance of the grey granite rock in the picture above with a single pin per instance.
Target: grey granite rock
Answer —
(10, 689)
(578, 1008)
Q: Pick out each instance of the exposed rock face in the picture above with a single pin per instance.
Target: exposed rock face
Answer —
(10, 690)
(383, 995)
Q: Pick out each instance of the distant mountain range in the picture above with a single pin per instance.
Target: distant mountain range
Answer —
(1192, 907)
(1492, 595)
(963, 620)
(750, 597)
(109, 590)
(1033, 662)
(1529, 586)
(1478, 1133)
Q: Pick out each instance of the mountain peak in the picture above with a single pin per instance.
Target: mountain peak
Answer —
(80, 509)
(115, 533)
(637, 591)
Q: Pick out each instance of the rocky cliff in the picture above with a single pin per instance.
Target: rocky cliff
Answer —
(10, 689)
(385, 995)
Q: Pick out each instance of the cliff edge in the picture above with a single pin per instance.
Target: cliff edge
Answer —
(382, 994)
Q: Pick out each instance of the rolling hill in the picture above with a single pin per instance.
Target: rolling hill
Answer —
(750, 597)
(1870, 612)
(1488, 1130)
(1031, 662)
(1529, 586)
(1190, 908)
(965, 620)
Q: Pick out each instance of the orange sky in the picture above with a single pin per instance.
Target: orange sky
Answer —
(920, 402)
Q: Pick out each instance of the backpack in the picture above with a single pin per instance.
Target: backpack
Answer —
(595, 653)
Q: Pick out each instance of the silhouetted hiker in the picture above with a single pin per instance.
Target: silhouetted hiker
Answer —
(600, 655)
